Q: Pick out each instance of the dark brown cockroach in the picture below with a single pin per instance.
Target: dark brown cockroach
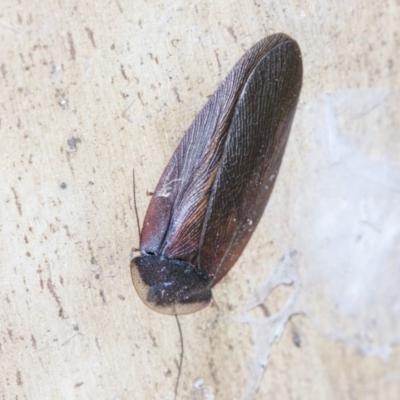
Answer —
(216, 186)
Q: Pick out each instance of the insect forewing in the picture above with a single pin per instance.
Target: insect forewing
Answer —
(216, 185)
(253, 151)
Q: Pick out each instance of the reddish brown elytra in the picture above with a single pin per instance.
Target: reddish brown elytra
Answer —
(216, 186)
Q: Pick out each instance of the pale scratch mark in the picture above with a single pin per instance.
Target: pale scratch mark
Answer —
(70, 338)
(110, 275)
(124, 113)
(166, 189)
(6, 26)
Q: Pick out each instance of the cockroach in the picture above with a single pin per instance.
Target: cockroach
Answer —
(216, 186)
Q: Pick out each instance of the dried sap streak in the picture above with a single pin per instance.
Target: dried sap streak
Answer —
(216, 186)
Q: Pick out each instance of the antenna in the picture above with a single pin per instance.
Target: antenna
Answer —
(135, 204)
(181, 360)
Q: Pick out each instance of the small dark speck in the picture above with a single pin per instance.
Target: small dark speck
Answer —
(33, 340)
(296, 339)
(97, 276)
(19, 379)
(90, 35)
(28, 253)
(17, 201)
(3, 71)
(79, 384)
(265, 310)
(63, 185)
(103, 297)
(76, 328)
(152, 337)
(72, 142)
(230, 30)
(178, 99)
(51, 288)
(91, 183)
(72, 50)
(123, 73)
(121, 297)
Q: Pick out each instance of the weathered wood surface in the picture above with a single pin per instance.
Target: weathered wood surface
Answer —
(91, 90)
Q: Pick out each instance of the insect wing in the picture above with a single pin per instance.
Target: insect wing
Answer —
(253, 152)
(216, 185)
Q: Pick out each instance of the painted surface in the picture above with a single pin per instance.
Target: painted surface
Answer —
(89, 91)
